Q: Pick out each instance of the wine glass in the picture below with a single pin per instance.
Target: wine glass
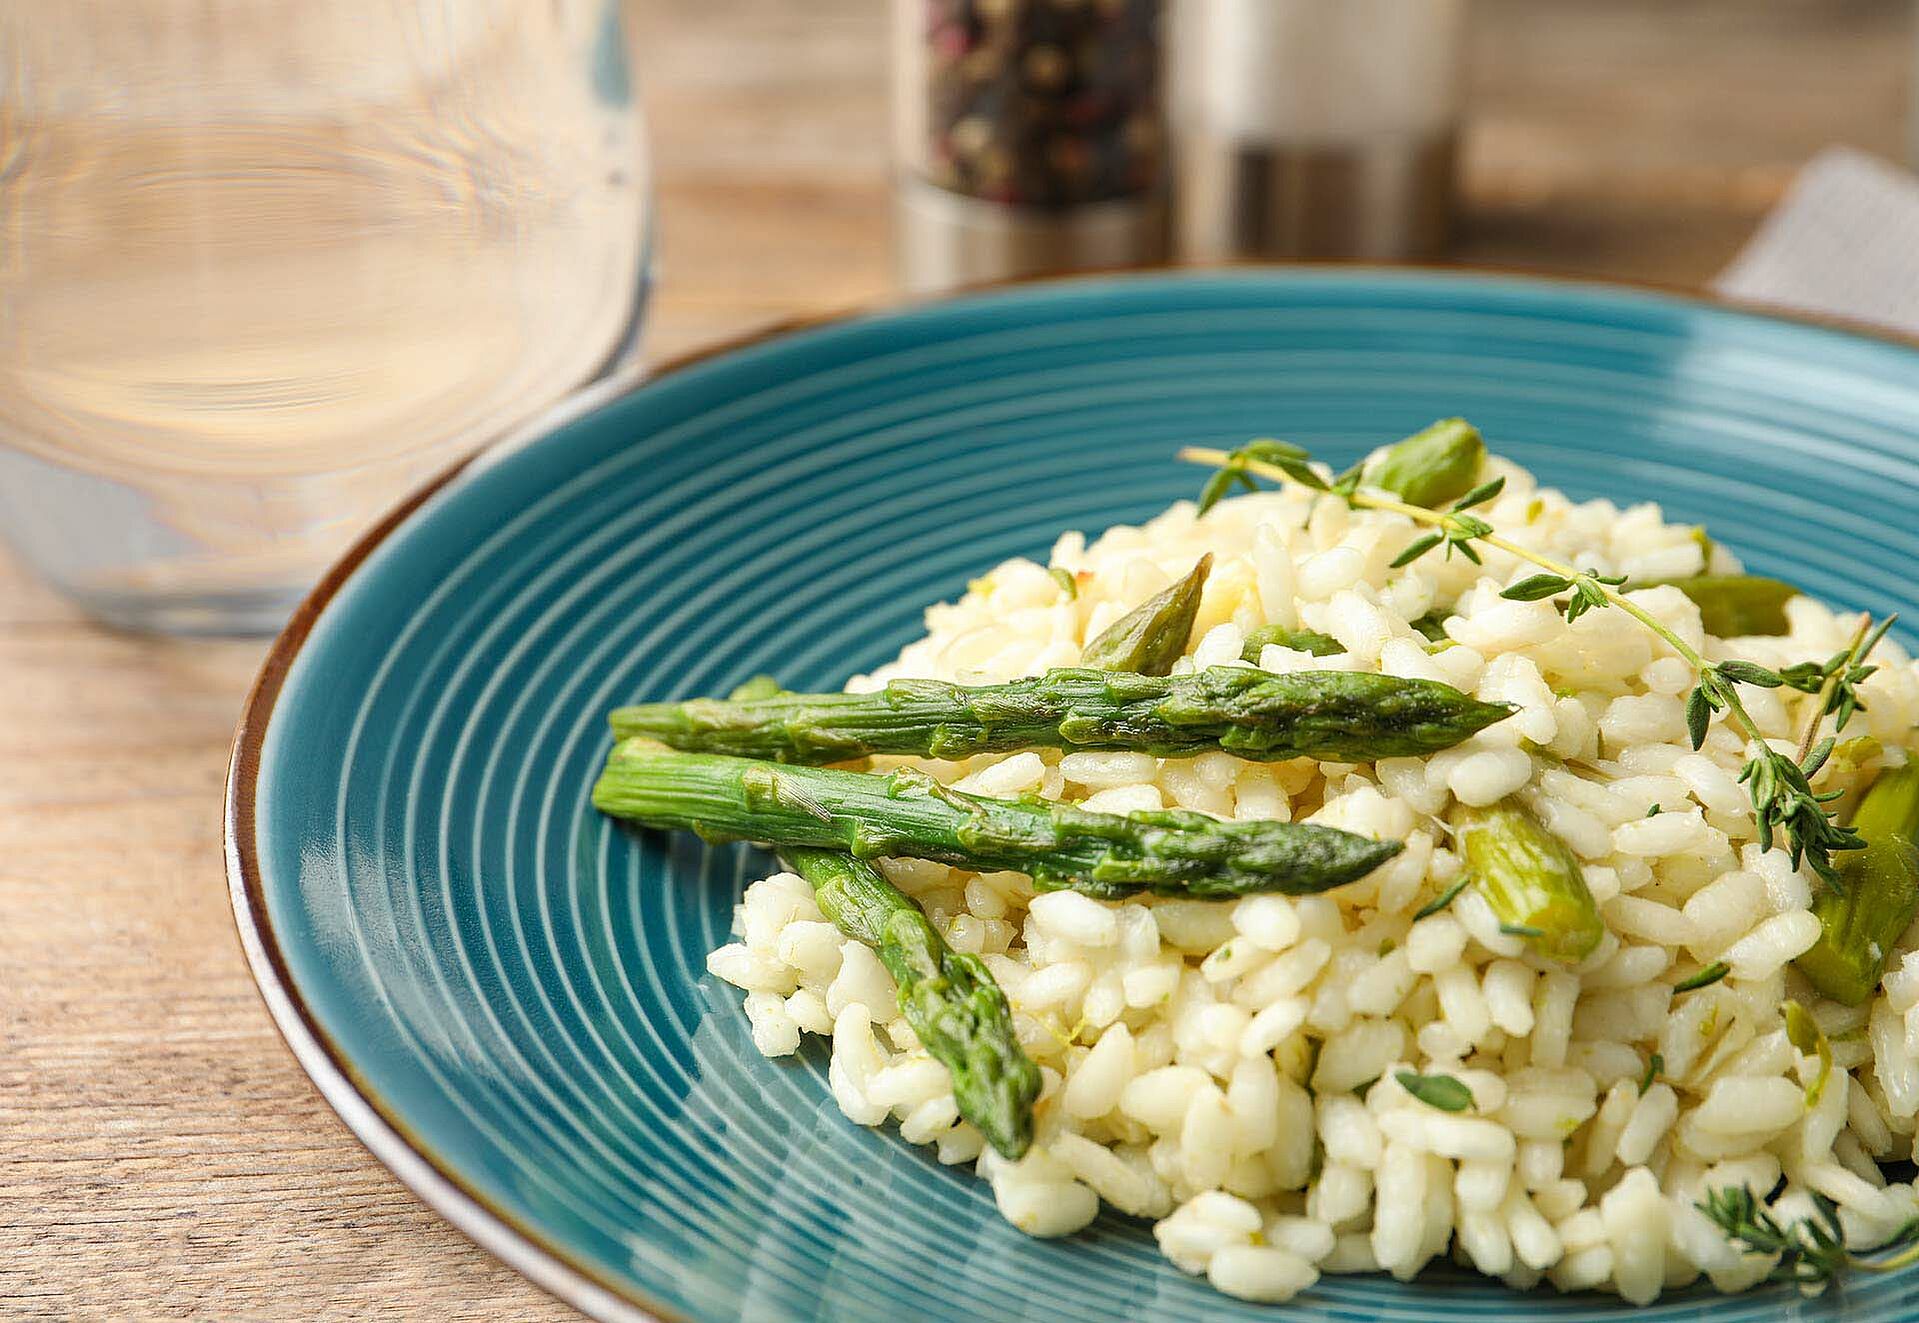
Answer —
(267, 264)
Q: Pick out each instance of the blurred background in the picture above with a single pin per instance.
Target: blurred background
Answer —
(484, 221)
(265, 267)
(1640, 139)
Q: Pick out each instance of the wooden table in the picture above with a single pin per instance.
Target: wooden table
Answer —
(161, 1156)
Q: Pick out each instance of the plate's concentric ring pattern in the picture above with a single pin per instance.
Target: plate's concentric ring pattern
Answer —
(507, 996)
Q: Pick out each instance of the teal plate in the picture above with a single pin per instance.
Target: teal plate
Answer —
(506, 997)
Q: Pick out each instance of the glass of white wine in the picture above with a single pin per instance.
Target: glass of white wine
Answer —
(266, 264)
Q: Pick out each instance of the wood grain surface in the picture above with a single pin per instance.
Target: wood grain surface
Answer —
(161, 1155)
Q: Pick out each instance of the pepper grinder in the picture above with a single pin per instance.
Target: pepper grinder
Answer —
(1315, 128)
(1028, 138)
(1912, 94)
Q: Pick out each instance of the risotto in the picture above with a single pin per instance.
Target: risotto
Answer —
(1275, 1082)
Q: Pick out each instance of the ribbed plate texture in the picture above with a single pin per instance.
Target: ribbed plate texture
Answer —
(520, 986)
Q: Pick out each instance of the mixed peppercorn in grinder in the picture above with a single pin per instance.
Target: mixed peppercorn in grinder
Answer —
(1029, 137)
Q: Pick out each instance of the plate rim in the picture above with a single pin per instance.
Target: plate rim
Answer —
(369, 1118)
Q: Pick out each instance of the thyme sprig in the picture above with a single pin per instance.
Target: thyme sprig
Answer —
(1784, 801)
(1779, 785)
(1812, 1251)
(1457, 530)
(1588, 589)
(1836, 683)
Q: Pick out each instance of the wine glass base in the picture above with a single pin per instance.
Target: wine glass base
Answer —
(252, 613)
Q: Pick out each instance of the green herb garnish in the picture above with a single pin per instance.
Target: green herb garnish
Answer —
(1432, 626)
(1441, 1091)
(1443, 899)
(760, 686)
(1299, 640)
(1587, 588)
(1779, 786)
(1655, 1067)
(1812, 1252)
(1804, 1033)
(1711, 974)
(1836, 683)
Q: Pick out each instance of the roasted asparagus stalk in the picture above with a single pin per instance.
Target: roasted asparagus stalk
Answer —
(1109, 856)
(1332, 715)
(1152, 636)
(949, 998)
(1860, 921)
(1432, 466)
(1731, 605)
(1530, 879)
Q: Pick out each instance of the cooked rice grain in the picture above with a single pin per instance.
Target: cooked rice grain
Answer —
(1228, 1069)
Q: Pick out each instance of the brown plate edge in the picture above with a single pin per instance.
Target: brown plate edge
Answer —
(376, 1125)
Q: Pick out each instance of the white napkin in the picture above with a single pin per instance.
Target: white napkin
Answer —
(1843, 241)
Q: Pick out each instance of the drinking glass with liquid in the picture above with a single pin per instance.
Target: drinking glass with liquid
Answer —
(265, 265)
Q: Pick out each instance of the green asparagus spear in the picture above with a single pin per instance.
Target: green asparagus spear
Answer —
(1861, 921)
(760, 686)
(1732, 605)
(1299, 640)
(1153, 635)
(1170, 852)
(949, 998)
(1336, 716)
(1433, 466)
(1531, 880)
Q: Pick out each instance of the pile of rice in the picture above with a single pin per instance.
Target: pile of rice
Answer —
(1204, 1062)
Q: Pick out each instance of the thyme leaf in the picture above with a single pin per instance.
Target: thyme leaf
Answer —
(1442, 900)
(1812, 1252)
(1441, 1091)
(1705, 978)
